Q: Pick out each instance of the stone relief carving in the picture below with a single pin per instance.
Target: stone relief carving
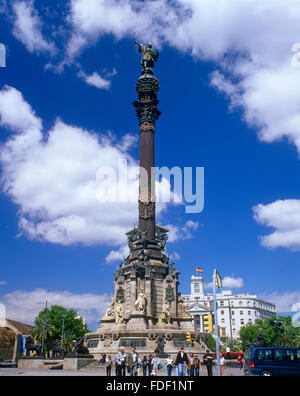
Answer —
(165, 316)
(140, 304)
(119, 314)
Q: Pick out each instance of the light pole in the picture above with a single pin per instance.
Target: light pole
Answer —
(62, 333)
(2, 55)
(44, 327)
(216, 323)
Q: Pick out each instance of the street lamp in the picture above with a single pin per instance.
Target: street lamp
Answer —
(2, 55)
(45, 323)
(63, 327)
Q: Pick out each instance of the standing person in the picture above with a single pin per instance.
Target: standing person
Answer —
(222, 364)
(108, 363)
(228, 350)
(150, 364)
(181, 362)
(145, 365)
(240, 361)
(155, 364)
(139, 366)
(208, 360)
(169, 365)
(132, 362)
(191, 365)
(197, 366)
(120, 362)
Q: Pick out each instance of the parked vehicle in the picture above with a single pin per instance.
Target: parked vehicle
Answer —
(8, 364)
(269, 361)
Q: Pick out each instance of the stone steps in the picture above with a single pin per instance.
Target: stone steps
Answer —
(95, 366)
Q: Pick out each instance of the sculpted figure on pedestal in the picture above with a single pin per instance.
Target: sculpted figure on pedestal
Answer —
(119, 313)
(110, 309)
(165, 316)
(140, 304)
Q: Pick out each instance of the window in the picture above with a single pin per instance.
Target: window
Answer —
(249, 312)
(284, 354)
(233, 322)
(264, 354)
(222, 303)
(242, 322)
(241, 312)
(241, 302)
(232, 313)
(222, 320)
(222, 312)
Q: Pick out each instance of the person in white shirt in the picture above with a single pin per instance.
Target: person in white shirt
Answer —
(169, 364)
(155, 364)
(222, 364)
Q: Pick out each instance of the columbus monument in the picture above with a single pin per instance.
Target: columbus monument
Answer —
(146, 309)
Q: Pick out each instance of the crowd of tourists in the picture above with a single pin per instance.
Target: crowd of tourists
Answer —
(131, 363)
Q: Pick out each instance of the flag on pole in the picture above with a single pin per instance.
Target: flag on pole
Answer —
(199, 270)
(218, 280)
(2, 55)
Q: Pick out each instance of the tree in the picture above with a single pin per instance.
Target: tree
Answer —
(53, 318)
(290, 335)
(211, 343)
(234, 344)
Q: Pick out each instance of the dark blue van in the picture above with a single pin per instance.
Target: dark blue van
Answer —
(272, 361)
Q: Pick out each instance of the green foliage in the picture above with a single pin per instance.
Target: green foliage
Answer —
(73, 327)
(211, 343)
(289, 337)
(234, 344)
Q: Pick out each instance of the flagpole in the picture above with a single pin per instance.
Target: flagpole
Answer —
(216, 323)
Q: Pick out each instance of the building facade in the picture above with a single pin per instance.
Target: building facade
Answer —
(12, 338)
(234, 310)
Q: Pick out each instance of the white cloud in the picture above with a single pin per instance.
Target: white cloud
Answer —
(177, 233)
(175, 256)
(284, 301)
(228, 282)
(53, 178)
(28, 28)
(3, 283)
(96, 80)
(284, 217)
(24, 306)
(117, 255)
(250, 41)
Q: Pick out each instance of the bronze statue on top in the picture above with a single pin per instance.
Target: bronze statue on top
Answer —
(149, 57)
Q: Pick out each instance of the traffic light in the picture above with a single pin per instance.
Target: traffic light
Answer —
(208, 323)
(188, 337)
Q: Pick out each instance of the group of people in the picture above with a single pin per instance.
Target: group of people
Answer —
(185, 364)
(130, 363)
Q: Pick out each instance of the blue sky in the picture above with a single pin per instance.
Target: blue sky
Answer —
(229, 98)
